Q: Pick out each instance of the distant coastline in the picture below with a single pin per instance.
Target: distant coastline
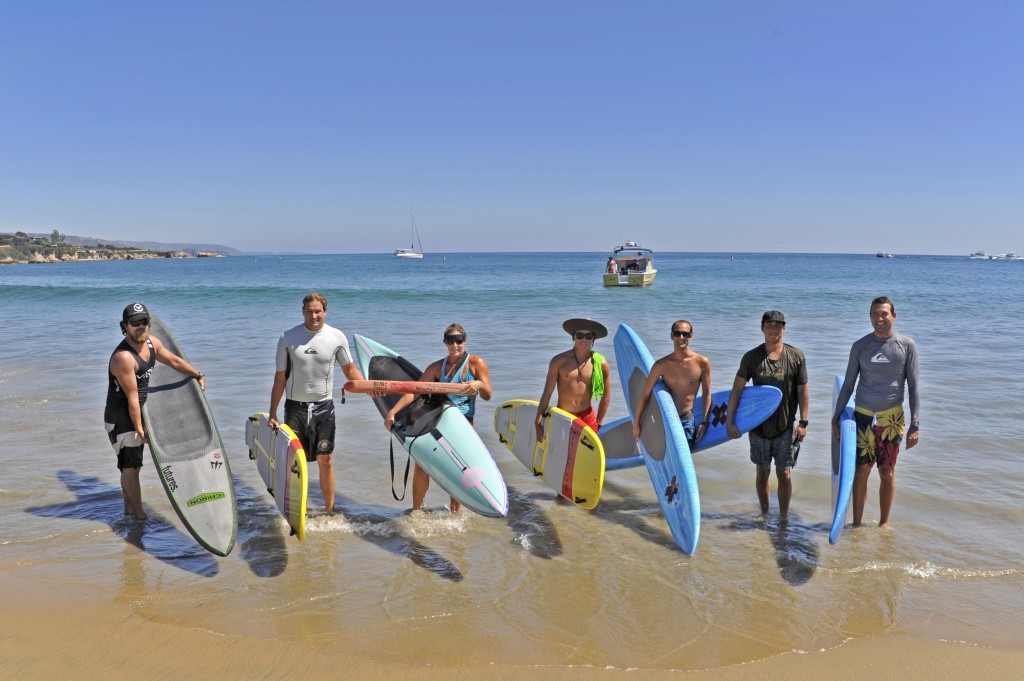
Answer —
(21, 248)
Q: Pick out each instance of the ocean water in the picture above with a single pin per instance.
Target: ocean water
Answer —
(552, 585)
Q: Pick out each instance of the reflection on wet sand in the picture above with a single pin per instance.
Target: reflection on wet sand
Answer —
(393, 540)
(261, 535)
(631, 511)
(533, 529)
(796, 551)
(98, 501)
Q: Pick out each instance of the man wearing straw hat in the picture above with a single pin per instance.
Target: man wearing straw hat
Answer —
(580, 375)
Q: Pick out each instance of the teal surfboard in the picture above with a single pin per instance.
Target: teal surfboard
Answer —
(662, 441)
(436, 434)
(757, 402)
(844, 463)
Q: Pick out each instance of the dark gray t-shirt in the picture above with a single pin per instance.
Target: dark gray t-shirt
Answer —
(788, 372)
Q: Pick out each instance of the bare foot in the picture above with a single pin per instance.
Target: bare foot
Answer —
(454, 506)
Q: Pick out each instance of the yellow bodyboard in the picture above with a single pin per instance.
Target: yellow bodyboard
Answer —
(281, 461)
(570, 459)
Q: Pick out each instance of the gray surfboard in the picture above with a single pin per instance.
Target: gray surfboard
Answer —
(188, 452)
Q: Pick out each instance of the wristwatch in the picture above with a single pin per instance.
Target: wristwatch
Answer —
(803, 423)
(200, 375)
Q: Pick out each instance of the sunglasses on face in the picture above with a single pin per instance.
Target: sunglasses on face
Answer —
(583, 335)
(685, 334)
(144, 322)
(454, 338)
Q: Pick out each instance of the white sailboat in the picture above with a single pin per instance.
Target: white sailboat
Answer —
(415, 249)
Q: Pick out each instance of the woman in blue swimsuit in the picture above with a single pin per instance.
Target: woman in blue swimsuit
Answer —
(458, 366)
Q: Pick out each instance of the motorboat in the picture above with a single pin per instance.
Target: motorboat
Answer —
(980, 255)
(630, 265)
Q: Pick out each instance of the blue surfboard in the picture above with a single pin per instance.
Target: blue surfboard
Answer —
(844, 463)
(662, 441)
(757, 402)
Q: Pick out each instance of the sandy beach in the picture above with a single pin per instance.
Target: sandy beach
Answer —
(52, 633)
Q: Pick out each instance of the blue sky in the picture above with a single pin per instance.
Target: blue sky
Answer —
(816, 126)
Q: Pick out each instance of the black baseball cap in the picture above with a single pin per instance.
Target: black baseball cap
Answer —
(135, 312)
(773, 316)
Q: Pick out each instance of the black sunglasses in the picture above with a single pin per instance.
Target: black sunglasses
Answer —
(454, 338)
(584, 335)
(141, 322)
(676, 333)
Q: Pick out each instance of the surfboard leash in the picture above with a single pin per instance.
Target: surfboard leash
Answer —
(405, 479)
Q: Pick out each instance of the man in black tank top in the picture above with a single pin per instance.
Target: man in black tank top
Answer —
(127, 384)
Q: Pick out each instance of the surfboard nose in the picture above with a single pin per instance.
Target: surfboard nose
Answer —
(494, 494)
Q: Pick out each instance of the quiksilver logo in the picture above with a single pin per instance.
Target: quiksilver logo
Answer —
(879, 359)
(311, 351)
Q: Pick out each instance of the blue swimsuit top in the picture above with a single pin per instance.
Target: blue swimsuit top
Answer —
(466, 404)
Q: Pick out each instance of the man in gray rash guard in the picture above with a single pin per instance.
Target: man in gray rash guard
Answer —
(885, 361)
(305, 370)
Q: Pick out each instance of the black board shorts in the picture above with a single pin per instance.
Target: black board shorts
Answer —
(314, 425)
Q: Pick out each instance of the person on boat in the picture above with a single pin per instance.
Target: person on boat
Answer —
(881, 363)
(305, 378)
(612, 267)
(458, 366)
(580, 376)
(684, 372)
(128, 374)
(783, 366)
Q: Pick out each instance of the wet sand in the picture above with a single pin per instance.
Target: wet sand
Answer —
(53, 632)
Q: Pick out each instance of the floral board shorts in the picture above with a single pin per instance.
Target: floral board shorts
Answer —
(878, 436)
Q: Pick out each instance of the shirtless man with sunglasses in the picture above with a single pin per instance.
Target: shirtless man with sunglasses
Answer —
(684, 372)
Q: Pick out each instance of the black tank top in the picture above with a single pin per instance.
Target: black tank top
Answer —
(143, 368)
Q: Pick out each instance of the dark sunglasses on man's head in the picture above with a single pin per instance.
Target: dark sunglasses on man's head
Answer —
(584, 335)
(676, 333)
(451, 339)
(141, 322)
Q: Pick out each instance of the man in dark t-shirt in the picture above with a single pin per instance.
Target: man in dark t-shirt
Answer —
(783, 366)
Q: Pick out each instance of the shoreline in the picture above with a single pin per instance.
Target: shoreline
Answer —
(142, 255)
